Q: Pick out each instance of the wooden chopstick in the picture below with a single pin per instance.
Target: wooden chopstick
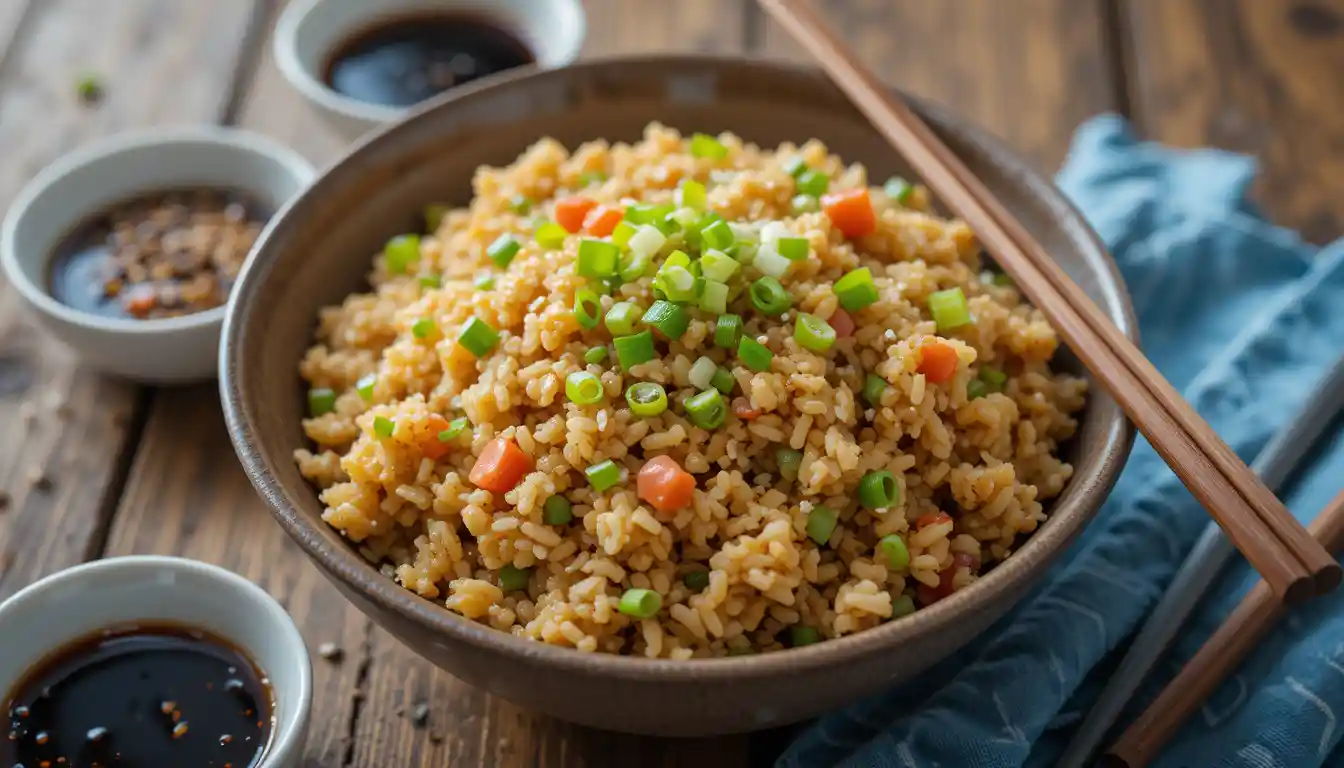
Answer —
(1220, 654)
(1255, 521)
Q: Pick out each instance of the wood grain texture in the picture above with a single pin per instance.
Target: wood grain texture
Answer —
(648, 26)
(159, 61)
(1028, 70)
(1265, 77)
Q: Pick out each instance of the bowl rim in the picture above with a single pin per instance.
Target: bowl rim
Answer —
(345, 566)
(230, 139)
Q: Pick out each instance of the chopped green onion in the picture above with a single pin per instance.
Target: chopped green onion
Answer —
(1002, 280)
(681, 218)
(591, 177)
(597, 258)
(769, 261)
(383, 426)
(856, 289)
(796, 166)
(821, 522)
(520, 204)
(557, 511)
(754, 355)
(455, 428)
(769, 297)
(640, 603)
(634, 349)
(813, 333)
(976, 389)
(401, 252)
(949, 309)
(696, 580)
(727, 330)
(714, 297)
(647, 213)
(621, 318)
(484, 281)
(620, 236)
(513, 579)
(814, 183)
(789, 461)
(800, 635)
(717, 235)
(321, 400)
(704, 145)
(90, 89)
(718, 266)
(993, 377)
(365, 386)
(583, 388)
(503, 250)
(434, 214)
(902, 606)
(723, 381)
(898, 190)
(801, 204)
(646, 240)
(691, 194)
(879, 490)
(646, 398)
(702, 373)
(670, 319)
(430, 281)
(423, 328)
(550, 235)
(634, 266)
(873, 387)
(793, 248)
(478, 337)
(603, 475)
(595, 355)
(587, 308)
(707, 410)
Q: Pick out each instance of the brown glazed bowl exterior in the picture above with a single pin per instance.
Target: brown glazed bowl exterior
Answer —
(318, 250)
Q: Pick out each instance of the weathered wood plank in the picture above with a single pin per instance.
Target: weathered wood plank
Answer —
(1265, 78)
(648, 26)
(160, 61)
(1029, 71)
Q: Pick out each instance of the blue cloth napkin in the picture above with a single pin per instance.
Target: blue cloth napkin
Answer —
(1243, 318)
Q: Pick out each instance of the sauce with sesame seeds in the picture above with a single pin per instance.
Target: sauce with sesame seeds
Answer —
(141, 696)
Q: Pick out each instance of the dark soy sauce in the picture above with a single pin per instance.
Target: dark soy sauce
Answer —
(145, 696)
(407, 59)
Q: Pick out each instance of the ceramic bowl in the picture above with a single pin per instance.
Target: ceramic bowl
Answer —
(309, 31)
(319, 251)
(85, 183)
(105, 594)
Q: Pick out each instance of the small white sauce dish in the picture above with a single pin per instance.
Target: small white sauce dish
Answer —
(310, 31)
(86, 183)
(77, 602)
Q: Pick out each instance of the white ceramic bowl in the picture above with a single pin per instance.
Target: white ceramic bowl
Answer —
(80, 601)
(309, 31)
(89, 180)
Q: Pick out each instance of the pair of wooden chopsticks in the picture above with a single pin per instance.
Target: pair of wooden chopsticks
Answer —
(1294, 565)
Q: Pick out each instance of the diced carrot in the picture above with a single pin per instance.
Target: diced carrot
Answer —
(743, 410)
(933, 518)
(665, 485)
(929, 595)
(140, 304)
(937, 361)
(500, 466)
(571, 211)
(603, 219)
(842, 322)
(851, 212)
(430, 444)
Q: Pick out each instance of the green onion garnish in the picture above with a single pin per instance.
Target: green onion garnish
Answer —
(634, 349)
(902, 606)
(321, 400)
(813, 333)
(591, 177)
(646, 398)
(993, 377)
(727, 330)
(484, 281)
(621, 235)
(434, 214)
(769, 297)
(873, 387)
(597, 258)
(717, 235)
(455, 428)
(587, 308)
(696, 580)
(513, 579)
(400, 253)
(754, 355)
(423, 328)
(718, 266)
(789, 462)
(795, 166)
(691, 194)
(893, 550)
(702, 373)
(557, 511)
(707, 409)
(1002, 280)
(704, 145)
(595, 355)
(640, 603)
(647, 213)
(583, 388)
(821, 522)
(503, 250)
(949, 309)
(723, 381)
(814, 183)
(670, 319)
(801, 204)
(634, 266)
(430, 281)
(621, 318)
(800, 635)
(793, 248)
(856, 290)
(383, 427)
(898, 190)
(520, 204)
(879, 490)
(477, 337)
(365, 386)
(976, 389)
(551, 235)
(768, 260)
(603, 475)
(647, 240)
(713, 297)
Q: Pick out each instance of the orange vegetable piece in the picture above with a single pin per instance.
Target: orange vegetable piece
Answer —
(843, 323)
(500, 466)
(937, 361)
(743, 410)
(571, 211)
(141, 304)
(430, 444)
(851, 212)
(932, 518)
(665, 485)
(603, 220)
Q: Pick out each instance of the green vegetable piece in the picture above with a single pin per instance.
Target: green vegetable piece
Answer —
(400, 253)
(513, 579)
(670, 319)
(707, 409)
(879, 490)
(696, 580)
(640, 603)
(704, 145)
(503, 250)
(383, 427)
(583, 388)
(754, 355)
(949, 309)
(646, 398)
(727, 330)
(634, 349)
(321, 400)
(477, 337)
(821, 524)
(811, 332)
(557, 511)
(603, 475)
(893, 550)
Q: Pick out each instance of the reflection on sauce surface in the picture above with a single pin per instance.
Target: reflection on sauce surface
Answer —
(408, 59)
(143, 696)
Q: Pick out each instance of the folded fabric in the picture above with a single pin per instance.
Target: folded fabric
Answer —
(1243, 318)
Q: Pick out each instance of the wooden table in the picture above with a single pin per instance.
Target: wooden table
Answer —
(138, 470)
